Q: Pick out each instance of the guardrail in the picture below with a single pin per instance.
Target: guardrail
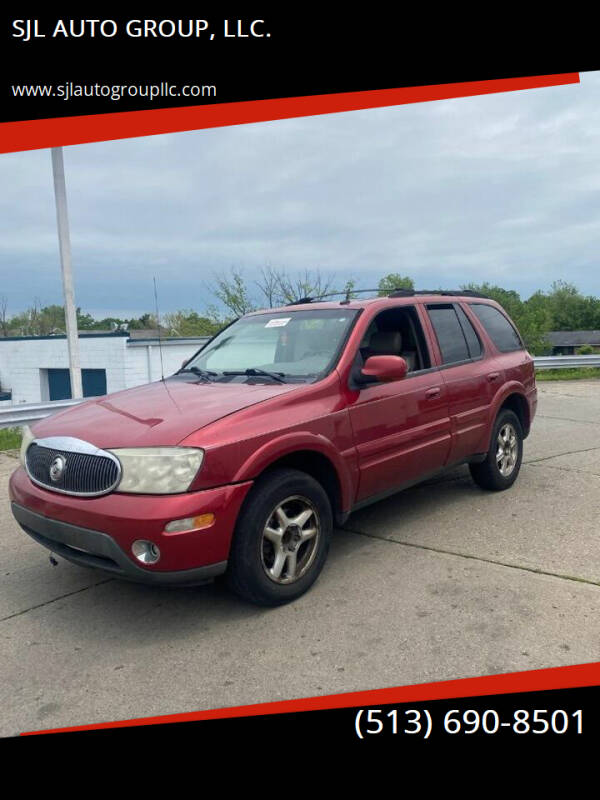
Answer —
(560, 362)
(24, 413)
(16, 415)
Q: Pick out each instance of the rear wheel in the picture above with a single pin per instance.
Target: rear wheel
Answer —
(281, 539)
(503, 461)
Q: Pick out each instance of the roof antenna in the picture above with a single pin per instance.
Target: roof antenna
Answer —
(162, 371)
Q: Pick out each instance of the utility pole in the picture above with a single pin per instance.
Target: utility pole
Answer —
(64, 243)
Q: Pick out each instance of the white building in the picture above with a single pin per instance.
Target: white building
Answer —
(35, 369)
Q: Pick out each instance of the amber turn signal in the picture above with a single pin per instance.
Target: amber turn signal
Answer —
(190, 523)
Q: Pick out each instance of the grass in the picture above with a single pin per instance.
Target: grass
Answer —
(567, 374)
(10, 438)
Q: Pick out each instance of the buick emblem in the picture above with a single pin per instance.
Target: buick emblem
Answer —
(57, 467)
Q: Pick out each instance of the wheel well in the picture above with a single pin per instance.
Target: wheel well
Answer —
(318, 467)
(518, 404)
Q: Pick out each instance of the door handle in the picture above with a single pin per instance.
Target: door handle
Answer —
(432, 392)
(493, 376)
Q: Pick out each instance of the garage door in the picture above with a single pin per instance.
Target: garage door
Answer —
(59, 383)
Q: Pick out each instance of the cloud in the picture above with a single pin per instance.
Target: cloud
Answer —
(501, 187)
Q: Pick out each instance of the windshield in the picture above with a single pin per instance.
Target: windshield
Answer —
(293, 345)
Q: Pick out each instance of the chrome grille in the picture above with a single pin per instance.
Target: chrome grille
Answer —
(72, 466)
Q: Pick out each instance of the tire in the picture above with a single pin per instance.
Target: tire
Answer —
(502, 464)
(272, 560)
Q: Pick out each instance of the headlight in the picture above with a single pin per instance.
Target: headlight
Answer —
(158, 470)
(27, 439)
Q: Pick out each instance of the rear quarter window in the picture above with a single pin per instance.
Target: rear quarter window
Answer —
(502, 332)
(470, 334)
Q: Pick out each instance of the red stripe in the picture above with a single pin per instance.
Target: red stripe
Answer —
(512, 682)
(34, 134)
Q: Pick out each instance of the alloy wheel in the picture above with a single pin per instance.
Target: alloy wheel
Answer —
(290, 539)
(507, 449)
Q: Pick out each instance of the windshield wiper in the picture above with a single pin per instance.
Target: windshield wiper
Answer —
(202, 373)
(257, 371)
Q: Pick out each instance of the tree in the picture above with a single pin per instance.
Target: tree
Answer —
(107, 324)
(233, 293)
(569, 309)
(28, 322)
(290, 288)
(147, 320)
(349, 289)
(276, 286)
(52, 319)
(533, 325)
(189, 323)
(268, 284)
(393, 281)
(85, 322)
(562, 308)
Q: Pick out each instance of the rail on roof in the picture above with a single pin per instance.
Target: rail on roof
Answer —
(390, 293)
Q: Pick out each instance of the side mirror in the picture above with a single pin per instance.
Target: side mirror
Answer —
(383, 369)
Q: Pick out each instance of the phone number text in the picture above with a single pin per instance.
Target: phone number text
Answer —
(420, 722)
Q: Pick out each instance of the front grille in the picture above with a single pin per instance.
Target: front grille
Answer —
(88, 474)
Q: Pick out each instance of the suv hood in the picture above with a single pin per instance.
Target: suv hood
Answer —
(157, 414)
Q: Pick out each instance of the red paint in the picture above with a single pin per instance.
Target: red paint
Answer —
(37, 133)
(385, 368)
(376, 437)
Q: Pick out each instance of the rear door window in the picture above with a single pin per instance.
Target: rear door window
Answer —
(449, 333)
(499, 329)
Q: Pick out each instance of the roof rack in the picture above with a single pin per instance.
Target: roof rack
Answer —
(392, 293)
(346, 292)
(441, 292)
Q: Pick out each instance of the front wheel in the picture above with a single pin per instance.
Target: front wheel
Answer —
(281, 539)
(503, 461)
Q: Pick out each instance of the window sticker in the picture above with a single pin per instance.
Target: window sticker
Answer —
(277, 323)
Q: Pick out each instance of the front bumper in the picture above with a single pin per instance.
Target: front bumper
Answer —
(89, 548)
(98, 532)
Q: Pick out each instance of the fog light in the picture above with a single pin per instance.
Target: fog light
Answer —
(190, 523)
(146, 552)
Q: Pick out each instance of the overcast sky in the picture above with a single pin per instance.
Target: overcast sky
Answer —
(504, 188)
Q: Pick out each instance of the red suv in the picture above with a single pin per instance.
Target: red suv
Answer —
(278, 428)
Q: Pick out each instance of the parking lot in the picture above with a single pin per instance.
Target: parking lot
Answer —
(441, 581)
